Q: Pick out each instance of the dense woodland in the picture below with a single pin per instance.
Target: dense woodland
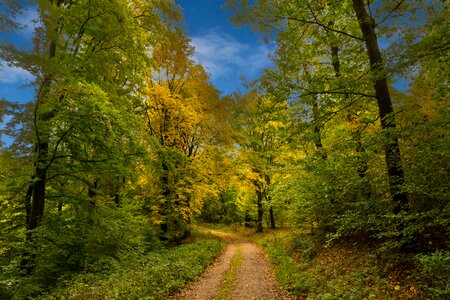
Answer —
(127, 144)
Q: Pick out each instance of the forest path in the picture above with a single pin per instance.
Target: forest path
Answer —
(242, 272)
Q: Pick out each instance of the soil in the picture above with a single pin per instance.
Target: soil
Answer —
(255, 279)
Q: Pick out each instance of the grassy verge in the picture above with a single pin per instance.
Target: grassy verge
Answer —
(230, 276)
(308, 269)
(151, 276)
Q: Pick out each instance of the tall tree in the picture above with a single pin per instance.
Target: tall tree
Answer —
(182, 111)
(386, 111)
(89, 59)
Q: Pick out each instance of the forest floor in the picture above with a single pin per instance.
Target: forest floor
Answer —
(243, 271)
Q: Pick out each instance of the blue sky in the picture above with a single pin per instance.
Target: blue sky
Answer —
(227, 52)
(14, 82)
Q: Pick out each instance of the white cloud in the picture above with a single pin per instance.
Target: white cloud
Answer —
(29, 19)
(14, 75)
(224, 56)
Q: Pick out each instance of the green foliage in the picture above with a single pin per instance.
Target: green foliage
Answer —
(146, 276)
(434, 270)
(337, 272)
(88, 242)
(302, 244)
(340, 183)
(287, 270)
(222, 210)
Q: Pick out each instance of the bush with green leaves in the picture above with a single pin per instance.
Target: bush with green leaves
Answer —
(303, 245)
(434, 270)
(148, 276)
(79, 241)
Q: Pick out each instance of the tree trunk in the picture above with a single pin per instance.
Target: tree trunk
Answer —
(315, 120)
(120, 183)
(259, 221)
(164, 226)
(272, 218)
(386, 111)
(92, 192)
(26, 256)
(35, 209)
(28, 201)
(38, 203)
(317, 137)
(335, 60)
(247, 219)
(362, 164)
(269, 199)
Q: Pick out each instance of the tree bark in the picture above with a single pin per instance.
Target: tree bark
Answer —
(38, 202)
(315, 120)
(272, 218)
(386, 111)
(28, 201)
(164, 226)
(247, 219)
(259, 221)
(317, 129)
(269, 199)
(26, 256)
(335, 60)
(92, 192)
(362, 164)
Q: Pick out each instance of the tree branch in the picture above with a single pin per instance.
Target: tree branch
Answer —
(321, 25)
(310, 93)
(57, 146)
(390, 13)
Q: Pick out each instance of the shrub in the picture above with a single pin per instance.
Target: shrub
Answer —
(434, 270)
(150, 276)
(303, 245)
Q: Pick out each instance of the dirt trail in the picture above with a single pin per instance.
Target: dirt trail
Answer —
(255, 279)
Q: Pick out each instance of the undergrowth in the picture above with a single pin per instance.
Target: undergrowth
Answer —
(310, 269)
(150, 276)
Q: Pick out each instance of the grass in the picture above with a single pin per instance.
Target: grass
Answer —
(151, 276)
(308, 269)
(230, 277)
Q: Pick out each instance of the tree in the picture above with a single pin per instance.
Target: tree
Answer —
(89, 60)
(183, 115)
(386, 111)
